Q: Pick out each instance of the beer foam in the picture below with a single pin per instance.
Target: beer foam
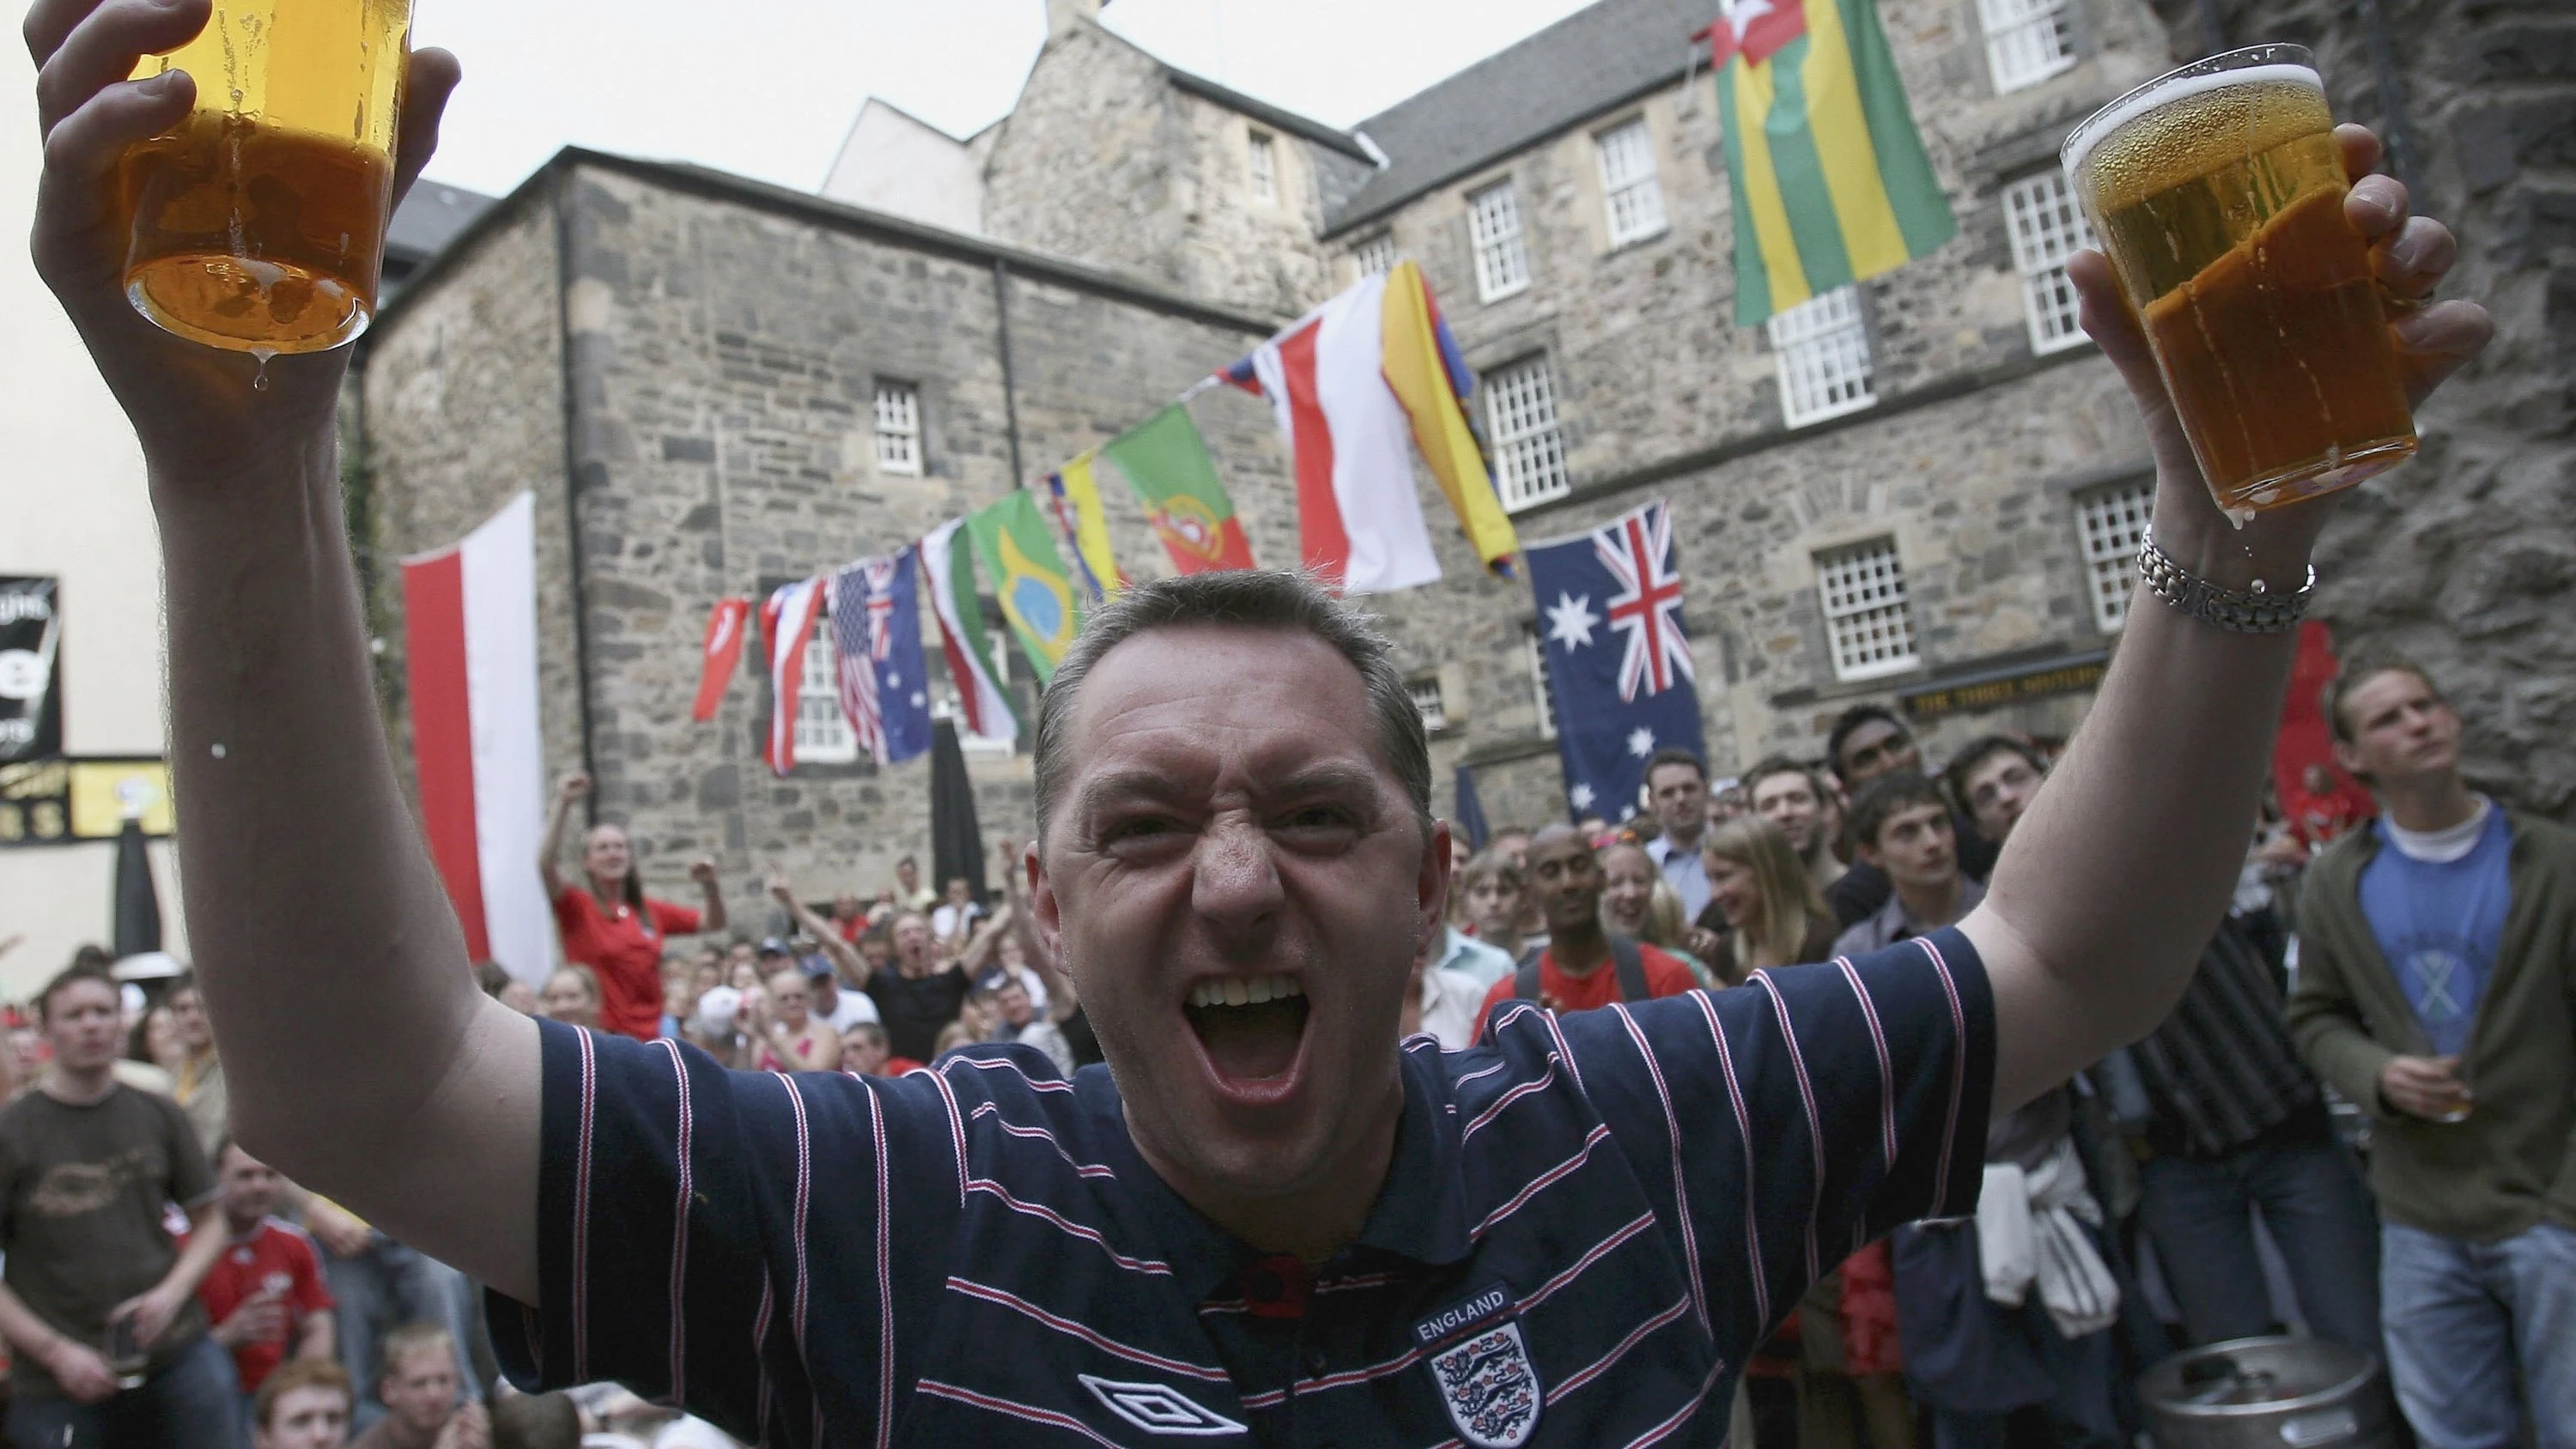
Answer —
(2171, 113)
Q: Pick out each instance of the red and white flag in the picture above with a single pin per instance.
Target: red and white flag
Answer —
(471, 635)
(1359, 521)
(723, 648)
(786, 623)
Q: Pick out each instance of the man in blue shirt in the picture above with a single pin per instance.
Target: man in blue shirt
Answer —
(2437, 988)
(1266, 1221)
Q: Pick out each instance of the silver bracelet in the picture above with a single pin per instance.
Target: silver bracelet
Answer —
(2257, 612)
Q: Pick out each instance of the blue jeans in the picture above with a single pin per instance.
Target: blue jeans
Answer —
(187, 1404)
(2320, 1216)
(2460, 1314)
(382, 1289)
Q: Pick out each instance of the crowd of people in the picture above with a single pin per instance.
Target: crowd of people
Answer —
(2202, 1185)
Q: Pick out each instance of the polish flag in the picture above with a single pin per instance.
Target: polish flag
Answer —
(471, 632)
(786, 623)
(717, 656)
(1359, 522)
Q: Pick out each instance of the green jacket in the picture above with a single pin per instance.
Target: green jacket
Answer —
(2512, 1164)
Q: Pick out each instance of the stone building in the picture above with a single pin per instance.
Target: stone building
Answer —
(1923, 491)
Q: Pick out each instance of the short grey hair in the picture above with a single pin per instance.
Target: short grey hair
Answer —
(1253, 598)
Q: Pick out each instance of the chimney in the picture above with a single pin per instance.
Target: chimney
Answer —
(1063, 15)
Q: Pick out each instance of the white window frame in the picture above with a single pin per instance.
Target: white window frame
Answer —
(2110, 521)
(2047, 228)
(898, 416)
(1425, 689)
(1869, 624)
(1494, 230)
(1376, 256)
(1261, 154)
(1529, 443)
(823, 734)
(947, 703)
(2027, 41)
(1632, 196)
(1825, 367)
(1542, 689)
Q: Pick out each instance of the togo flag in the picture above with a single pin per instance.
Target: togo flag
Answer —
(1029, 577)
(1830, 180)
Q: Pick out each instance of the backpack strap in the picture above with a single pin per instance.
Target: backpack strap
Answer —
(1525, 977)
(1631, 966)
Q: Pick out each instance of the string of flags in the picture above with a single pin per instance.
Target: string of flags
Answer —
(1359, 387)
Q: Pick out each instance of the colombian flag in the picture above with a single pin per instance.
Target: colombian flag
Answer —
(1029, 577)
(1830, 180)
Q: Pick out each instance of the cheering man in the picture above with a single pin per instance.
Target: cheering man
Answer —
(1265, 1216)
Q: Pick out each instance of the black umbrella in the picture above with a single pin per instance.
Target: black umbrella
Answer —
(137, 909)
(956, 840)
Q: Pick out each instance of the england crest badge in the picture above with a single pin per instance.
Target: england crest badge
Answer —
(1490, 1389)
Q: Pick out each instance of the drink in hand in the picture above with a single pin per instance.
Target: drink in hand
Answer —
(258, 222)
(2218, 194)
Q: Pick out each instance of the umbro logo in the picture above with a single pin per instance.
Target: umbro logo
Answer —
(1157, 1409)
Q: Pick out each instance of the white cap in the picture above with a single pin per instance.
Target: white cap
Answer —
(716, 1011)
(148, 966)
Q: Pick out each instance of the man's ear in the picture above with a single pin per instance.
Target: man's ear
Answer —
(1431, 886)
(1868, 853)
(1044, 909)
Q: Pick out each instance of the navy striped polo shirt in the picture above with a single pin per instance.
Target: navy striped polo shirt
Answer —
(1589, 1223)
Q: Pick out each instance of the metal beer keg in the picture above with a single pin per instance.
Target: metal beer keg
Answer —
(2270, 1393)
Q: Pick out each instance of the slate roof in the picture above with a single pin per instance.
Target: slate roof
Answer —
(1574, 69)
(429, 218)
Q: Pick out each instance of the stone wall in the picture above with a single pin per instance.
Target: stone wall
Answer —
(462, 391)
(2464, 558)
(724, 353)
(1967, 460)
(1106, 160)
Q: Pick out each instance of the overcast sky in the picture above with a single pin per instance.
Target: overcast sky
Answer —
(767, 88)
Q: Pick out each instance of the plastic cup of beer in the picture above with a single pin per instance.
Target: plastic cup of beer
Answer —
(2217, 190)
(258, 223)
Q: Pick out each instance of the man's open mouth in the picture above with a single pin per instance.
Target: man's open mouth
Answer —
(1250, 1026)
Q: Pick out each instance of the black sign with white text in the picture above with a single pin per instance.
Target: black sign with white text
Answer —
(31, 657)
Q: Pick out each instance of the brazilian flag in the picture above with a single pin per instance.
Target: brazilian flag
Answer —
(1830, 180)
(1029, 577)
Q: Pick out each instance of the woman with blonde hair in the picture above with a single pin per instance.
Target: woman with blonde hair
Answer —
(1637, 903)
(1775, 915)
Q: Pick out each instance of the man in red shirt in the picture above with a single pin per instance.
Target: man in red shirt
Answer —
(265, 1295)
(1578, 969)
(609, 925)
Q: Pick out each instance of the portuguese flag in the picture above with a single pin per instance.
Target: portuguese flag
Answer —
(1830, 180)
(1167, 463)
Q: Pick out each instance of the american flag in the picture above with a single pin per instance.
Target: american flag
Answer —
(1638, 552)
(862, 597)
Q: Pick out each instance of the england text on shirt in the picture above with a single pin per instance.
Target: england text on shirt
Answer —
(1589, 1221)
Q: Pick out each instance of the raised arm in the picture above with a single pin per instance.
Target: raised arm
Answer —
(550, 854)
(2113, 882)
(360, 1057)
(711, 914)
(845, 957)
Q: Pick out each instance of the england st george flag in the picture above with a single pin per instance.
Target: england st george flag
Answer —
(1618, 664)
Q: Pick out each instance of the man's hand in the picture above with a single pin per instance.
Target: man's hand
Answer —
(83, 1374)
(574, 786)
(779, 890)
(151, 1312)
(2425, 1087)
(255, 1320)
(468, 1428)
(340, 1231)
(192, 405)
(703, 872)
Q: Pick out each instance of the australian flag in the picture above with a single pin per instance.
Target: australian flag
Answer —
(1610, 627)
(876, 634)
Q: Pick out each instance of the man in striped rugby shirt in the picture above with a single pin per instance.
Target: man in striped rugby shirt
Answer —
(1267, 1221)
